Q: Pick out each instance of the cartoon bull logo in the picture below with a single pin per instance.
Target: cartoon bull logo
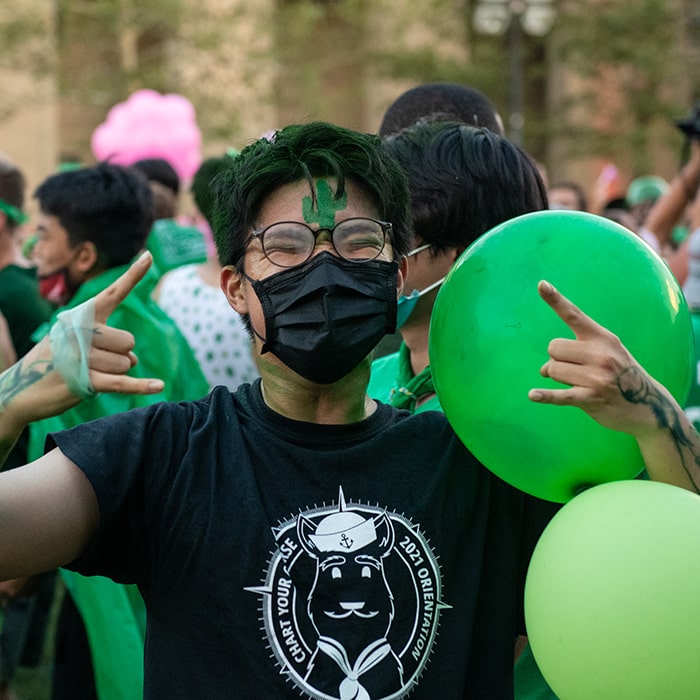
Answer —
(350, 604)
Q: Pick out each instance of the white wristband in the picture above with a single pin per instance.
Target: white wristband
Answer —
(70, 339)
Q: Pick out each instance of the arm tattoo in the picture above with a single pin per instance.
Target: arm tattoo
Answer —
(636, 388)
(19, 377)
(12, 382)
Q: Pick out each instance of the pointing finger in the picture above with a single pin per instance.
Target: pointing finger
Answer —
(108, 299)
(581, 324)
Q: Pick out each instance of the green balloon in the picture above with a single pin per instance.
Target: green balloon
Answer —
(490, 331)
(611, 604)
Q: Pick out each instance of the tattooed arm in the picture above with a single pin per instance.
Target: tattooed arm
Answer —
(48, 509)
(32, 389)
(609, 384)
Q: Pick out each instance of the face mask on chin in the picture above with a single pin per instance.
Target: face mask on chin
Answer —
(55, 288)
(324, 317)
(407, 302)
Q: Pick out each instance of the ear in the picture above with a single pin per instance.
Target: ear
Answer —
(457, 252)
(401, 278)
(87, 258)
(233, 286)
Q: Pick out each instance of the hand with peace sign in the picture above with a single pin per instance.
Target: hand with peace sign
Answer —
(39, 385)
(606, 382)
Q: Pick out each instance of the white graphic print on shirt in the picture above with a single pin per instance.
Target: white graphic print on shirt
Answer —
(330, 597)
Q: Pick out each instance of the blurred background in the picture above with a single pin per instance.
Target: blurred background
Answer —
(580, 83)
(590, 88)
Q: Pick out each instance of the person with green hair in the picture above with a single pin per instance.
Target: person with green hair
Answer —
(295, 537)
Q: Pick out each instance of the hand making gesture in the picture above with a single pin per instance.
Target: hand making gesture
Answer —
(606, 382)
(80, 357)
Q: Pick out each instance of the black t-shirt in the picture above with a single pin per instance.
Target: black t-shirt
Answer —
(287, 559)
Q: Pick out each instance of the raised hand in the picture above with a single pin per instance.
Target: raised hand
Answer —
(33, 389)
(606, 382)
(111, 353)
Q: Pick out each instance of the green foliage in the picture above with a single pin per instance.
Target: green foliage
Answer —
(641, 45)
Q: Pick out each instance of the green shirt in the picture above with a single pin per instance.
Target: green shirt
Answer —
(692, 403)
(392, 381)
(22, 305)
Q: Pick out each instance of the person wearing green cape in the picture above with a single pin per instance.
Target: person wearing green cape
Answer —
(93, 222)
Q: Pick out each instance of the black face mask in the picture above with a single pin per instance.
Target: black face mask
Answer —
(324, 317)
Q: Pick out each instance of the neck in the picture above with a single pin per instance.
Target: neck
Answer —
(292, 396)
(8, 249)
(415, 334)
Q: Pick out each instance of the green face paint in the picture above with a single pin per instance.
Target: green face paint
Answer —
(323, 213)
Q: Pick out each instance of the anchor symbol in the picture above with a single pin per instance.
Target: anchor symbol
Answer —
(345, 541)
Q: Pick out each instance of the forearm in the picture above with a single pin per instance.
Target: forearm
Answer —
(668, 210)
(20, 402)
(671, 450)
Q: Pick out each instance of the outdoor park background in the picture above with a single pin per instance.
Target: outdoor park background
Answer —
(580, 83)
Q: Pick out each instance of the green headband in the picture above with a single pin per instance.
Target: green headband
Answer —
(13, 213)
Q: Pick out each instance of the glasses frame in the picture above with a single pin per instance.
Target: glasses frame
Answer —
(385, 226)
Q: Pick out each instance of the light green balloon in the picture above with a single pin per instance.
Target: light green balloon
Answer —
(611, 597)
(490, 331)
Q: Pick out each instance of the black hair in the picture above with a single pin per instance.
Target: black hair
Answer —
(159, 170)
(108, 205)
(445, 101)
(464, 181)
(303, 152)
(202, 185)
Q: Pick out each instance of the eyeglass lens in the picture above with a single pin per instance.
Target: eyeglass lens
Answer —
(291, 243)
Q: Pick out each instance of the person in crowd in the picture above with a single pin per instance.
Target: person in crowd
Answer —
(295, 537)
(463, 181)
(27, 602)
(641, 194)
(190, 294)
(92, 223)
(567, 194)
(171, 242)
(441, 100)
(20, 301)
(436, 100)
(677, 206)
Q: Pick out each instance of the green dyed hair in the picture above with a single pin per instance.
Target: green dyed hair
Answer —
(304, 152)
